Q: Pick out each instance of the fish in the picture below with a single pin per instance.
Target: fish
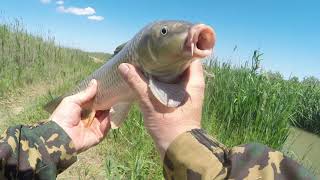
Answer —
(162, 51)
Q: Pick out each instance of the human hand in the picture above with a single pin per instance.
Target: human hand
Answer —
(165, 124)
(68, 116)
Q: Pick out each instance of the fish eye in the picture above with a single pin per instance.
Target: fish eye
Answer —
(164, 30)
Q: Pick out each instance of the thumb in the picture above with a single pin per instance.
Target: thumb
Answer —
(134, 79)
(85, 96)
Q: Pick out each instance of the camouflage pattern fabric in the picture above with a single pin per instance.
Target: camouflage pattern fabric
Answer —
(42, 151)
(35, 152)
(195, 155)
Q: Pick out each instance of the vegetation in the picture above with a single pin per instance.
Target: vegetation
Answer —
(243, 104)
(246, 106)
(99, 55)
(307, 114)
(26, 60)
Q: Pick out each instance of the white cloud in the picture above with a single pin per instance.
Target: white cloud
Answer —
(96, 18)
(60, 2)
(88, 11)
(77, 11)
(45, 1)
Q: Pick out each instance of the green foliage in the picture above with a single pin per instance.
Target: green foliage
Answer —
(307, 114)
(131, 153)
(25, 60)
(241, 104)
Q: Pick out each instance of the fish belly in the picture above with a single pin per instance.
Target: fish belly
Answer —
(112, 93)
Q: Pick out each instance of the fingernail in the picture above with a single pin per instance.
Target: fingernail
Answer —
(123, 68)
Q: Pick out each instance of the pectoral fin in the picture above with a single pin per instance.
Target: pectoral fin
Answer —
(118, 113)
(170, 95)
(87, 116)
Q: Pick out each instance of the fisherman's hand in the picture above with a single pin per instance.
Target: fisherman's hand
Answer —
(165, 124)
(68, 116)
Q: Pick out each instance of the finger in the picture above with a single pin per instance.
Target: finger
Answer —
(101, 125)
(104, 121)
(105, 125)
(85, 96)
(134, 78)
(194, 77)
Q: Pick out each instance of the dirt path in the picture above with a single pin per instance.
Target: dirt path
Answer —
(15, 103)
(96, 60)
(90, 165)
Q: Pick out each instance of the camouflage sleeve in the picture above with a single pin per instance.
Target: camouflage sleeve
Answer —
(195, 155)
(35, 152)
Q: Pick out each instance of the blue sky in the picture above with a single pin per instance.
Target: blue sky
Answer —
(286, 31)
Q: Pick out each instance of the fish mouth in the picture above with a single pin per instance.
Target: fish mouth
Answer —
(200, 41)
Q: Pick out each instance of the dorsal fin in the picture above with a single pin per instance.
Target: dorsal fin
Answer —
(119, 48)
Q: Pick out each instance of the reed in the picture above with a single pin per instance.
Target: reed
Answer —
(242, 103)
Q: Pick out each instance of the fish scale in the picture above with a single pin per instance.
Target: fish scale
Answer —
(111, 87)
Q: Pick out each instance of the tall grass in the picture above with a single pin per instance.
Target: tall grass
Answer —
(26, 60)
(131, 153)
(307, 114)
(243, 106)
(242, 103)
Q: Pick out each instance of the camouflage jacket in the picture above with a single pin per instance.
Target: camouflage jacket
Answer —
(35, 152)
(44, 150)
(195, 155)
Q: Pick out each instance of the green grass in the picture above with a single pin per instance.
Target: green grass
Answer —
(307, 114)
(131, 153)
(242, 104)
(26, 60)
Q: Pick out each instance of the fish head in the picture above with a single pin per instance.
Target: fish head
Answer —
(166, 48)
